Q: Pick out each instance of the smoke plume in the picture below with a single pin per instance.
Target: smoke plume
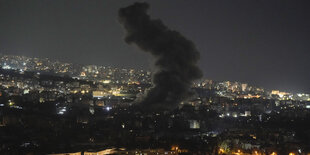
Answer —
(175, 57)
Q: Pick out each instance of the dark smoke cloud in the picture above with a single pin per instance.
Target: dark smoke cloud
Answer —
(176, 57)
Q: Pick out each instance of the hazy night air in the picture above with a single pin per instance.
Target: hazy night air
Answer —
(176, 57)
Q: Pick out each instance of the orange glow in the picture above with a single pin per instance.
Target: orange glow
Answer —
(174, 148)
(221, 150)
(273, 153)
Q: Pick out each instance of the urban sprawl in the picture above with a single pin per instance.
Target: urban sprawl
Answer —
(51, 107)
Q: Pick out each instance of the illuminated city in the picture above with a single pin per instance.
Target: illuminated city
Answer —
(90, 97)
(72, 104)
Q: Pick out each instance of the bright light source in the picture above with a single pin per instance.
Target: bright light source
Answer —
(108, 108)
(221, 150)
(11, 103)
(299, 150)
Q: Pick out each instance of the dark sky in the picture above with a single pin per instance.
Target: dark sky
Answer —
(262, 42)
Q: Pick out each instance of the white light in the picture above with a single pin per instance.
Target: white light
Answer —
(108, 108)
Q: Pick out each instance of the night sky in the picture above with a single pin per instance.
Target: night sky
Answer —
(262, 42)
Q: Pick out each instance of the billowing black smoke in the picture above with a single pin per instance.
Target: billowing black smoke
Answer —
(176, 57)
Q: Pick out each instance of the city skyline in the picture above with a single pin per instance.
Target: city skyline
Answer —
(264, 43)
(15, 67)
